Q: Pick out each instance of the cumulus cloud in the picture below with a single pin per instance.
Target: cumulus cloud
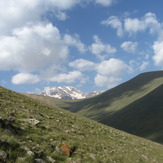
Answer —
(36, 47)
(115, 23)
(64, 4)
(113, 67)
(25, 78)
(100, 49)
(70, 77)
(75, 41)
(151, 21)
(144, 65)
(158, 53)
(32, 48)
(129, 46)
(105, 2)
(108, 81)
(60, 15)
(148, 21)
(29, 43)
(132, 26)
(20, 12)
(109, 72)
(83, 65)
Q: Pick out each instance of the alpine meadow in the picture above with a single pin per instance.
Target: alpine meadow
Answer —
(81, 81)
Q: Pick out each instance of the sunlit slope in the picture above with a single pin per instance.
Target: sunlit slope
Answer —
(34, 132)
(118, 97)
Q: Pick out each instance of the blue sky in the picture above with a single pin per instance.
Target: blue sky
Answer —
(88, 44)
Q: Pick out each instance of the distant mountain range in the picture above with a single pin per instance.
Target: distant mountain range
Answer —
(67, 93)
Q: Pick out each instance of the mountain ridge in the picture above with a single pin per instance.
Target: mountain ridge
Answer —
(67, 93)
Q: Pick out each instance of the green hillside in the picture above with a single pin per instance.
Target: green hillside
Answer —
(34, 132)
(134, 106)
(143, 117)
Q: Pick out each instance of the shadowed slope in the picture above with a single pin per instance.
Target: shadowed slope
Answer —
(143, 117)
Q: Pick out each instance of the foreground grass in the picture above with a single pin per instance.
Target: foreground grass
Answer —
(35, 132)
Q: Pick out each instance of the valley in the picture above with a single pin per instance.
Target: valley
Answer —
(135, 106)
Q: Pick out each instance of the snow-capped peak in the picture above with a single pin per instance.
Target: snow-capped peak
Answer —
(66, 92)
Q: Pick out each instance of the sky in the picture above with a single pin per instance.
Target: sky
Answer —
(92, 45)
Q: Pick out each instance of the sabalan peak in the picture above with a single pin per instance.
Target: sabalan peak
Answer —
(66, 93)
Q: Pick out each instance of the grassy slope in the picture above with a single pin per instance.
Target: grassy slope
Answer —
(30, 131)
(143, 117)
(111, 107)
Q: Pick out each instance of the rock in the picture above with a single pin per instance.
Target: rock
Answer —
(21, 159)
(50, 159)
(39, 154)
(58, 150)
(30, 153)
(92, 156)
(3, 155)
(25, 148)
(33, 121)
(12, 114)
(39, 160)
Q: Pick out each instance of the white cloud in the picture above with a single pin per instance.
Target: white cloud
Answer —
(75, 41)
(61, 15)
(144, 65)
(70, 77)
(108, 81)
(138, 64)
(115, 23)
(20, 12)
(105, 2)
(151, 21)
(35, 48)
(109, 72)
(100, 49)
(158, 50)
(134, 25)
(32, 48)
(113, 67)
(64, 4)
(129, 46)
(148, 21)
(25, 78)
(83, 65)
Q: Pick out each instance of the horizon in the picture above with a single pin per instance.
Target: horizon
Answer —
(92, 45)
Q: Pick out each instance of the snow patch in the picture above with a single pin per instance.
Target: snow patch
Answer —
(67, 93)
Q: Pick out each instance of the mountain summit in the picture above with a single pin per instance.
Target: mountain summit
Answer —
(67, 93)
